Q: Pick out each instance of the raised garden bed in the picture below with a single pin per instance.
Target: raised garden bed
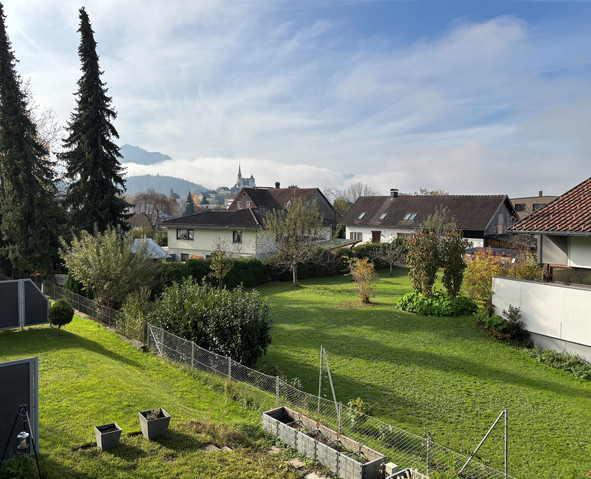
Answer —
(345, 457)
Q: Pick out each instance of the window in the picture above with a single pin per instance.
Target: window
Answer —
(184, 256)
(410, 216)
(184, 235)
(376, 236)
(356, 236)
(240, 205)
(383, 215)
(237, 237)
(519, 206)
(249, 204)
(538, 206)
(360, 217)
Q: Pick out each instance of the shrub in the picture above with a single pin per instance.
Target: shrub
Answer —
(423, 261)
(363, 273)
(509, 327)
(247, 272)
(133, 315)
(438, 304)
(372, 251)
(61, 313)
(234, 322)
(479, 273)
(357, 411)
(452, 247)
(566, 362)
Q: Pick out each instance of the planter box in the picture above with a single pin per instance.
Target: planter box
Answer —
(158, 426)
(348, 459)
(107, 436)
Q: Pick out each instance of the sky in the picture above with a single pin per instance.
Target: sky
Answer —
(470, 97)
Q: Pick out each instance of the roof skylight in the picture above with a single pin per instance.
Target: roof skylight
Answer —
(383, 215)
(410, 216)
(360, 217)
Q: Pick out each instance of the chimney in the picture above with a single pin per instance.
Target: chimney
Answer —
(277, 184)
(541, 193)
(393, 193)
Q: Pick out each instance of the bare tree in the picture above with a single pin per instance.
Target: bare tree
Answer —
(149, 206)
(291, 235)
(392, 251)
(356, 190)
(428, 192)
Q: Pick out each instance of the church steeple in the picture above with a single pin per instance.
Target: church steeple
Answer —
(239, 175)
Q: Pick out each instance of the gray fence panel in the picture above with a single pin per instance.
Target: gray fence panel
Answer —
(9, 305)
(36, 305)
(19, 384)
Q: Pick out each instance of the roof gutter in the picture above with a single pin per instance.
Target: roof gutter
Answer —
(553, 232)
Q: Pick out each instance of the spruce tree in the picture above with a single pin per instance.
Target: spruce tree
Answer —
(189, 205)
(28, 206)
(94, 196)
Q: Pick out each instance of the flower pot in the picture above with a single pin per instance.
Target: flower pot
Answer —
(154, 422)
(107, 436)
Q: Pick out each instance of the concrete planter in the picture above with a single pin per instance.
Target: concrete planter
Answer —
(107, 436)
(348, 459)
(154, 426)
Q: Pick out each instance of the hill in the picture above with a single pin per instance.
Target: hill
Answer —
(135, 154)
(161, 184)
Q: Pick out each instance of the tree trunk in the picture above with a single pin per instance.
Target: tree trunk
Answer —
(391, 268)
(294, 270)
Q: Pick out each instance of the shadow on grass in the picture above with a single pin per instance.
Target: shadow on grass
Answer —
(179, 441)
(127, 452)
(50, 469)
(32, 341)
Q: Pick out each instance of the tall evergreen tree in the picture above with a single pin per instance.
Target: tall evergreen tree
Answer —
(189, 205)
(94, 195)
(28, 206)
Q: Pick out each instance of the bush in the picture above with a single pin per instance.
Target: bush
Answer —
(566, 362)
(357, 411)
(133, 315)
(233, 323)
(371, 251)
(423, 261)
(363, 273)
(61, 313)
(509, 327)
(438, 304)
(325, 263)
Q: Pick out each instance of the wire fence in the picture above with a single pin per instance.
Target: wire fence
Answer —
(258, 391)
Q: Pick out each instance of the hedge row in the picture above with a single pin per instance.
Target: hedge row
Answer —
(251, 271)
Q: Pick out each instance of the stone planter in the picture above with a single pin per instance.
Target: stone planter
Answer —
(348, 459)
(107, 436)
(154, 422)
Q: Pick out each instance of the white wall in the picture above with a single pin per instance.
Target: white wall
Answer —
(388, 233)
(549, 310)
(579, 251)
(205, 240)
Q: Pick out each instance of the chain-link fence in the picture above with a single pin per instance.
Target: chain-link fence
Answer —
(258, 391)
(261, 392)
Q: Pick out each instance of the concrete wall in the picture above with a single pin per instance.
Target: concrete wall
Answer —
(556, 315)
(579, 251)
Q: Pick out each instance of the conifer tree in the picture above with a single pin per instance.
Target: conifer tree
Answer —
(94, 195)
(189, 205)
(28, 206)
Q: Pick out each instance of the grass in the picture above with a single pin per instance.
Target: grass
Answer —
(435, 374)
(89, 377)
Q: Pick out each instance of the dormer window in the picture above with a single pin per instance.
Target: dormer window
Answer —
(383, 215)
(239, 205)
(360, 217)
(410, 216)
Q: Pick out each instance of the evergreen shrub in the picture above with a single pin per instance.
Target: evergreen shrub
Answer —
(438, 304)
(233, 322)
(61, 313)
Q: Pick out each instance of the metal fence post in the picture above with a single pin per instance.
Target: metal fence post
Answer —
(162, 342)
(192, 355)
(506, 443)
(229, 368)
(428, 452)
(340, 417)
(276, 391)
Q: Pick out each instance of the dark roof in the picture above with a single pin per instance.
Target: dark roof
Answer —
(276, 198)
(470, 212)
(570, 213)
(246, 218)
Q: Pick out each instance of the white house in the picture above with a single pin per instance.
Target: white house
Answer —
(373, 218)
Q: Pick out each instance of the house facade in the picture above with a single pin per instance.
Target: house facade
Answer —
(238, 229)
(372, 219)
(556, 312)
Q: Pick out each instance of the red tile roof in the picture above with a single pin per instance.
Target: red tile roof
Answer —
(569, 213)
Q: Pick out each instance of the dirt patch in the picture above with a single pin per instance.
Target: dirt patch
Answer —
(357, 305)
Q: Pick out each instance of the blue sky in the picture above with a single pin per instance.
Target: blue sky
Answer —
(466, 96)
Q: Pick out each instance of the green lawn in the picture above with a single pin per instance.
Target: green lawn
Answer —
(441, 375)
(89, 376)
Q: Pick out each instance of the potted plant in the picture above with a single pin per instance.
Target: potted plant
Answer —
(154, 422)
(107, 436)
